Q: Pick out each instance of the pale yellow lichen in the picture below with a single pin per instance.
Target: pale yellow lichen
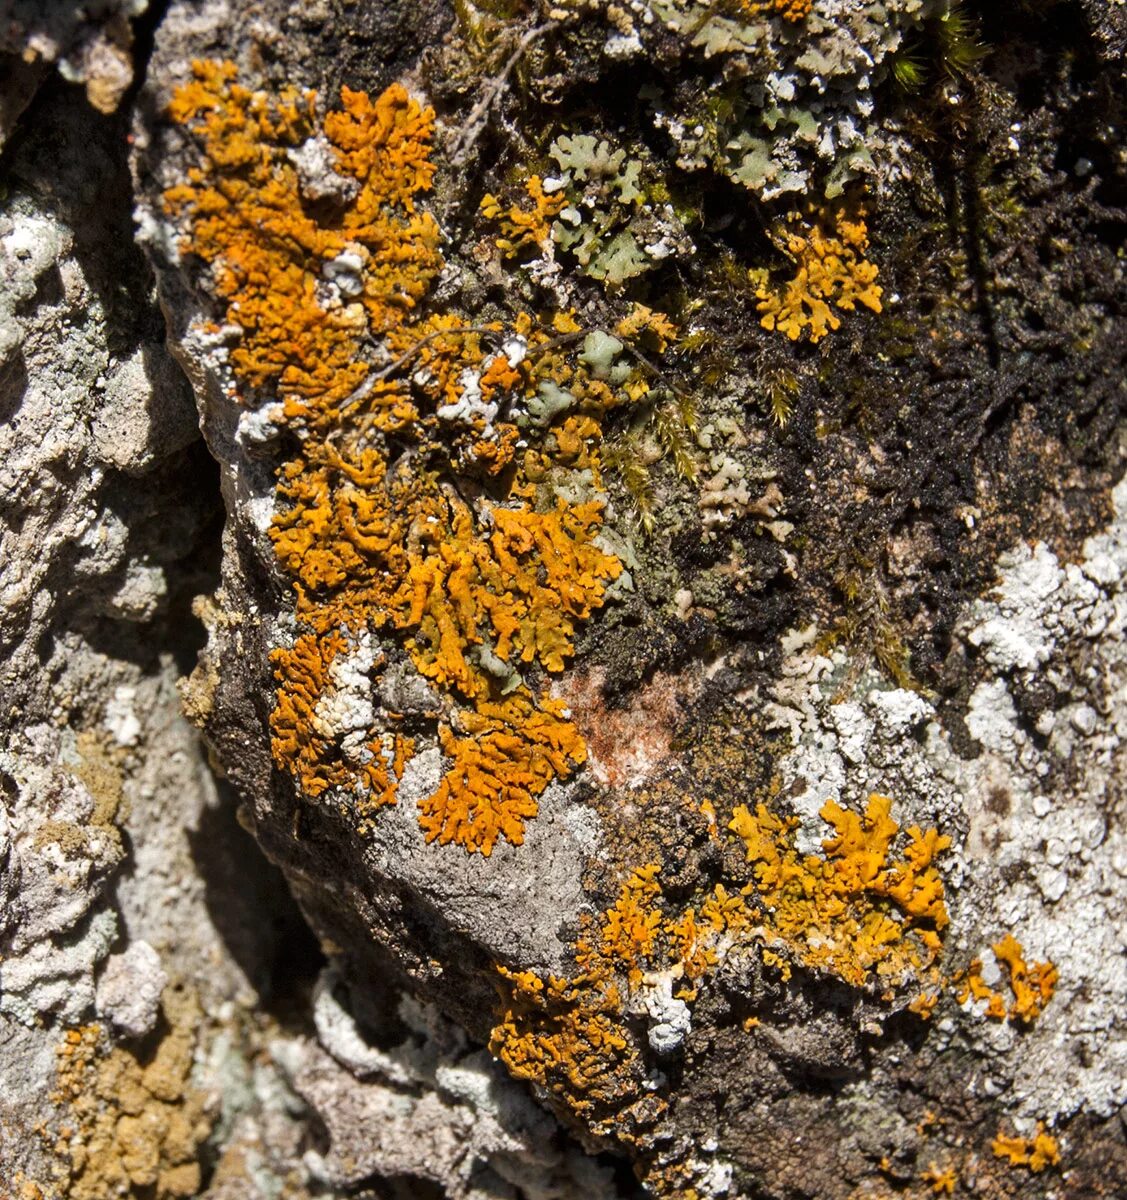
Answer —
(129, 1125)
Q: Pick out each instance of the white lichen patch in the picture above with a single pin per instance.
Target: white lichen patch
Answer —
(130, 987)
(669, 1018)
(345, 709)
(723, 496)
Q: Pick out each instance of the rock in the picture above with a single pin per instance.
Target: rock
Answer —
(129, 989)
(638, 828)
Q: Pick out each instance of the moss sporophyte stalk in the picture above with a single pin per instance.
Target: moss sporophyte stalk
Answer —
(444, 488)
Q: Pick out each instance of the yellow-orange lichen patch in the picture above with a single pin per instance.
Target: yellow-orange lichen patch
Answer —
(511, 750)
(789, 10)
(862, 911)
(828, 248)
(525, 227)
(130, 1126)
(274, 264)
(859, 912)
(568, 1037)
(1037, 1153)
(942, 1180)
(545, 1022)
(1031, 984)
(409, 506)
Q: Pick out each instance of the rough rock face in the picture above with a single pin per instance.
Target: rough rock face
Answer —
(613, 455)
(669, 620)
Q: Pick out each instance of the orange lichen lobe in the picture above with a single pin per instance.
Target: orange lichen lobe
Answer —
(525, 227)
(1037, 1153)
(793, 11)
(859, 910)
(1031, 984)
(942, 1180)
(828, 249)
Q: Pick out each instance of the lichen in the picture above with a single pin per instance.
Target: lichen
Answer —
(859, 910)
(1037, 1153)
(523, 227)
(130, 1125)
(941, 1180)
(445, 487)
(1031, 984)
(789, 10)
(858, 913)
(828, 248)
(616, 220)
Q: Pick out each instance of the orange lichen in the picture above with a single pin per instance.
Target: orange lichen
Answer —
(857, 910)
(270, 256)
(568, 1037)
(629, 929)
(511, 752)
(1031, 984)
(1038, 1152)
(645, 325)
(315, 749)
(942, 1180)
(860, 912)
(790, 10)
(544, 1021)
(828, 249)
(525, 227)
(374, 524)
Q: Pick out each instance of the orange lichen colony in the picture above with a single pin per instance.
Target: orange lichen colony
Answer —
(525, 227)
(856, 913)
(942, 1180)
(858, 910)
(1032, 984)
(570, 1036)
(1038, 1152)
(411, 505)
(828, 249)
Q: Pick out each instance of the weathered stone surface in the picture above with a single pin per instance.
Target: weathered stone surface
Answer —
(801, 624)
(726, 435)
